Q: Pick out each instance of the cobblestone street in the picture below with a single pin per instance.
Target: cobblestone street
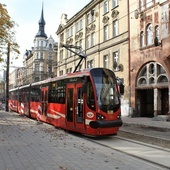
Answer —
(28, 145)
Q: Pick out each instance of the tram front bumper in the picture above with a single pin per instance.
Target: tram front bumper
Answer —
(106, 124)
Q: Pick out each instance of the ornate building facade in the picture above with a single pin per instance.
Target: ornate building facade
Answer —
(101, 29)
(132, 39)
(40, 60)
(150, 61)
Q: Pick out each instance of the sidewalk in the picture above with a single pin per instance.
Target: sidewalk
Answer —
(146, 122)
(146, 130)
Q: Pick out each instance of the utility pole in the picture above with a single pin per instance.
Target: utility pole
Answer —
(7, 78)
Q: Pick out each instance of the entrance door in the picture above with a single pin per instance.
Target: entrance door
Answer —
(164, 101)
(44, 100)
(75, 107)
(145, 104)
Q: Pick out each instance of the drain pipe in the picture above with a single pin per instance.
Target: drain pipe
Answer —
(129, 59)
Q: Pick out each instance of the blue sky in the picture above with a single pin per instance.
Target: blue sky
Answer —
(26, 13)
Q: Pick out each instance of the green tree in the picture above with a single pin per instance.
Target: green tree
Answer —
(7, 33)
(7, 44)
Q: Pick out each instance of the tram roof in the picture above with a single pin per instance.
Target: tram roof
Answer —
(66, 76)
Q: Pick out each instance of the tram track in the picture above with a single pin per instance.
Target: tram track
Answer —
(149, 153)
(153, 154)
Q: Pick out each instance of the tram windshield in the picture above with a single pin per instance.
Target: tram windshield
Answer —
(107, 94)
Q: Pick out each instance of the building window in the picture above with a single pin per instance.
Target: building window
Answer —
(115, 28)
(49, 70)
(69, 32)
(81, 24)
(76, 44)
(80, 43)
(37, 56)
(90, 64)
(37, 67)
(69, 53)
(115, 60)
(93, 39)
(50, 57)
(41, 43)
(61, 73)
(77, 26)
(106, 61)
(142, 39)
(80, 67)
(93, 15)
(61, 55)
(106, 35)
(69, 70)
(149, 3)
(41, 55)
(88, 19)
(157, 32)
(149, 34)
(114, 3)
(141, 5)
(50, 45)
(88, 42)
(62, 37)
(106, 7)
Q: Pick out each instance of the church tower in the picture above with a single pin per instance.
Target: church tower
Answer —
(41, 31)
(40, 60)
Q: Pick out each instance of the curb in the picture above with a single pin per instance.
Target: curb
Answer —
(153, 140)
(152, 127)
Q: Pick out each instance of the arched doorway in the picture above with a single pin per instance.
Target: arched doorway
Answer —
(152, 91)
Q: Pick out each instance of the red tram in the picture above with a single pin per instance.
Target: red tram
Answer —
(86, 102)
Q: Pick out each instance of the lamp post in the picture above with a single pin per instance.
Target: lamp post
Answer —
(7, 79)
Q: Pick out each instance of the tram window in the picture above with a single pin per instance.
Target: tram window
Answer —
(79, 115)
(57, 96)
(15, 95)
(70, 105)
(35, 94)
(57, 92)
(26, 96)
(90, 96)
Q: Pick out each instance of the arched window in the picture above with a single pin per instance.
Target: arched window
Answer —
(152, 74)
(142, 39)
(50, 45)
(149, 34)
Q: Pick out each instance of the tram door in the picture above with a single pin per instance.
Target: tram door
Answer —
(44, 100)
(75, 107)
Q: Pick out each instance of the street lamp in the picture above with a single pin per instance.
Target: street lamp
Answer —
(7, 79)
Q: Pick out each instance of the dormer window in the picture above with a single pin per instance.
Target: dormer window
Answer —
(50, 45)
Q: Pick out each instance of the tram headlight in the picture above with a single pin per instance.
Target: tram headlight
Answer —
(119, 116)
(100, 117)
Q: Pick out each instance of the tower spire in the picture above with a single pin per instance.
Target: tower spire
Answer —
(41, 32)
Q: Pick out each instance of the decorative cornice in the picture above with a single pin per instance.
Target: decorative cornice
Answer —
(90, 28)
(69, 41)
(115, 13)
(105, 19)
(79, 35)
